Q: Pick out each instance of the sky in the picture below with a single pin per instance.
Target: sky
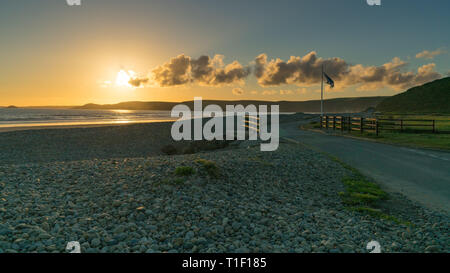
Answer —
(108, 51)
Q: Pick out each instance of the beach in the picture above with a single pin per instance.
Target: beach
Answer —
(114, 189)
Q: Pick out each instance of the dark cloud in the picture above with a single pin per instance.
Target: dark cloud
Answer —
(260, 63)
(173, 73)
(307, 71)
(138, 82)
(301, 71)
(297, 70)
(390, 75)
(204, 71)
(232, 73)
(201, 69)
(212, 72)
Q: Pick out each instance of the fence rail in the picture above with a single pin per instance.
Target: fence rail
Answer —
(375, 125)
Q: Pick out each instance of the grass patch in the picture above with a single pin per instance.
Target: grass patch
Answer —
(360, 192)
(419, 140)
(442, 121)
(417, 137)
(364, 196)
(184, 171)
(209, 166)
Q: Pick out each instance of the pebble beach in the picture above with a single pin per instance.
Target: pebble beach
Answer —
(112, 190)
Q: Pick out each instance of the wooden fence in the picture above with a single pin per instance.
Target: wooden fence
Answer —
(375, 125)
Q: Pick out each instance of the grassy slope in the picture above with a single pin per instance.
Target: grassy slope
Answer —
(426, 140)
(433, 97)
(415, 140)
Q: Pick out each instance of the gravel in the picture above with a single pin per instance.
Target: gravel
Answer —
(283, 201)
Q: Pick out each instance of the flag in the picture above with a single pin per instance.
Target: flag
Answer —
(329, 80)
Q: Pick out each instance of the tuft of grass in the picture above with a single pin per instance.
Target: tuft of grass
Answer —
(184, 171)
(360, 191)
(209, 166)
(364, 196)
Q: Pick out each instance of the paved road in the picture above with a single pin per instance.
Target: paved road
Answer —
(422, 175)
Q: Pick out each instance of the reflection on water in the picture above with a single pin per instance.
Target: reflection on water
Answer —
(121, 111)
(27, 117)
(56, 117)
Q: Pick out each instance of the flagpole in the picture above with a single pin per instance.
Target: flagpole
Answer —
(321, 96)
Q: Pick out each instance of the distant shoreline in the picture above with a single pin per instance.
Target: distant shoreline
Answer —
(346, 104)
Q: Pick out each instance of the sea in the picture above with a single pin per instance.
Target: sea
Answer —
(28, 117)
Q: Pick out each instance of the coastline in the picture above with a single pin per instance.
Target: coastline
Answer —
(70, 125)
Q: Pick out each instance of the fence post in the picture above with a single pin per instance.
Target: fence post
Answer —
(349, 123)
(362, 125)
(321, 122)
(376, 126)
(434, 126)
(334, 122)
(326, 122)
(342, 124)
(401, 125)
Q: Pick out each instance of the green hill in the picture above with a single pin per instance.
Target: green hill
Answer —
(430, 98)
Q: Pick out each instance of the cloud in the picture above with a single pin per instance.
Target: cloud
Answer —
(286, 92)
(204, 71)
(232, 73)
(212, 72)
(430, 54)
(390, 75)
(306, 71)
(260, 63)
(297, 70)
(237, 91)
(301, 71)
(173, 73)
(138, 82)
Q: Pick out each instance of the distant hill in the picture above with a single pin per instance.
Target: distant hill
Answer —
(340, 105)
(433, 97)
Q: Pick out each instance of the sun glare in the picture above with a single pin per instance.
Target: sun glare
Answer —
(123, 78)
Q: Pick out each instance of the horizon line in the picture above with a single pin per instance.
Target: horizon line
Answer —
(143, 101)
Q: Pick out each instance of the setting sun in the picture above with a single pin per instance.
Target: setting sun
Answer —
(123, 78)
